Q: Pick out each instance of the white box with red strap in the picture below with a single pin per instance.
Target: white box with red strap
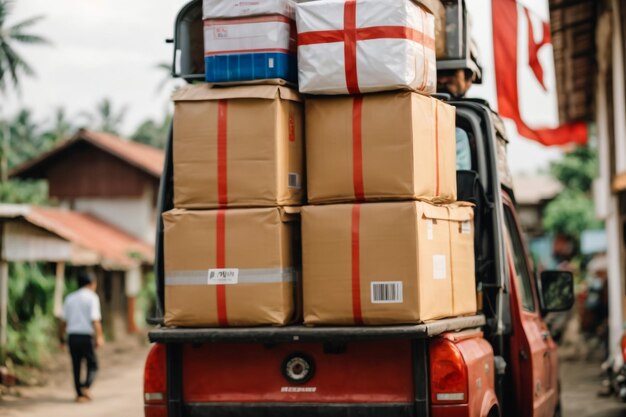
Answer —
(360, 46)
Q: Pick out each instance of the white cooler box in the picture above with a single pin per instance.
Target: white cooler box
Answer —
(352, 47)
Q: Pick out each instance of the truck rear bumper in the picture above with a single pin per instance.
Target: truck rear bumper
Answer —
(300, 410)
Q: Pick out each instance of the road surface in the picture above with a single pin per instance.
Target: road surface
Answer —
(117, 392)
(581, 382)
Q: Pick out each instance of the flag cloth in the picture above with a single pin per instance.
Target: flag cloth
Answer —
(505, 48)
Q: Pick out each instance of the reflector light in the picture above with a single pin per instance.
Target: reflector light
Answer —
(448, 373)
(453, 396)
(154, 376)
(154, 396)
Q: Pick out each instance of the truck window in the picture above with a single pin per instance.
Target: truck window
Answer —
(522, 274)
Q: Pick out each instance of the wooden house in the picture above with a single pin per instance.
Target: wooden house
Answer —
(106, 190)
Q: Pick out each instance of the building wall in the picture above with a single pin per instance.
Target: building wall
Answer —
(135, 215)
(88, 171)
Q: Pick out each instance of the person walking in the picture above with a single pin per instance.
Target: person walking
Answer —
(82, 325)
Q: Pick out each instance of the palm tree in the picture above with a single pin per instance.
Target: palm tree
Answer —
(106, 118)
(12, 65)
(60, 129)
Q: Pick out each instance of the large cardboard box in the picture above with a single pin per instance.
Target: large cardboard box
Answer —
(229, 267)
(365, 46)
(387, 146)
(463, 259)
(237, 147)
(382, 263)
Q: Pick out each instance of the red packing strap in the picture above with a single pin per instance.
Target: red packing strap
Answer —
(349, 46)
(222, 136)
(220, 262)
(356, 265)
(437, 149)
(357, 148)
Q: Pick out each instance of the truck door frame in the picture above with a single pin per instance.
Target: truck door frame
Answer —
(531, 347)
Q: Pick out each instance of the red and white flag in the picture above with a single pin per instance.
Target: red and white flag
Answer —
(506, 41)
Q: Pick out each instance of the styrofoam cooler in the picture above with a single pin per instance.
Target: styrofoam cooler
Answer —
(250, 48)
(351, 47)
(249, 40)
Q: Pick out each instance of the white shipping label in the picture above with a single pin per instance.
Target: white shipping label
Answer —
(225, 276)
(466, 228)
(270, 63)
(387, 292)
(429, 229)
(439, 266)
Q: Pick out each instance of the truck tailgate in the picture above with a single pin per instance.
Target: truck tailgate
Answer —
(350, 371)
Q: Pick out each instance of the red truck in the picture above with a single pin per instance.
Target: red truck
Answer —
(500, 362)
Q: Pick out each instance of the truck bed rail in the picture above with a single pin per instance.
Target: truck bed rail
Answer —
(301, 333)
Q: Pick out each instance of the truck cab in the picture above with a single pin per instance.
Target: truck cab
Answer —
(501, 361)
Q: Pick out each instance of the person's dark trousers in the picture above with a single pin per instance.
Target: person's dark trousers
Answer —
(82, 348)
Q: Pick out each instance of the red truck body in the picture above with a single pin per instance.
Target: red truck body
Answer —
(501, 362)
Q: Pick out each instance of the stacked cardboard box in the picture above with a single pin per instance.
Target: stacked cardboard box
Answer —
(400, 250)
(231, 243)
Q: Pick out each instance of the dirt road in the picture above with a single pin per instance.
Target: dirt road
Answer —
(581, 382)
(117, 391)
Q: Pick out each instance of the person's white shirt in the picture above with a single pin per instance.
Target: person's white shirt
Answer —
(80, 310)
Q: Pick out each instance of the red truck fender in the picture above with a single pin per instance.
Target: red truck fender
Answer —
(490, 405)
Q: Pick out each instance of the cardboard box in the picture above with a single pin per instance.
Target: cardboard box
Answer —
(220, 9)
(250, 48)
(463, 259)
(387, 146)
(237, 147)
(229, 267)
(381, 263)
(366, 46)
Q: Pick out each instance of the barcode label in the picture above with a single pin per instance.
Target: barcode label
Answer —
(294, 180)
(270, 63)
(226, 276)
(466, 228)
(387, 292)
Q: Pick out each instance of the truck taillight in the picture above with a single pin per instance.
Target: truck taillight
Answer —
(624, 347)
(448, 373)
(155, 383)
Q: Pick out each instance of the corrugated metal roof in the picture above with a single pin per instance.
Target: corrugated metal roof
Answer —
(143, 157)
(115, 248)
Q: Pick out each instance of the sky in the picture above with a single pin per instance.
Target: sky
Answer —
(110, 48)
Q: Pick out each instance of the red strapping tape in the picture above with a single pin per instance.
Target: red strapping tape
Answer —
(437, 149)
(222, 192)
(356, 265)
(220, 262)
(349, 46)
(357, 148)
(222, 173)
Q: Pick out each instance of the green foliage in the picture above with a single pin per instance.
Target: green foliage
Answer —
(153, 133)
(12, 65)
(570, 213)
(577, 169)
(106, 118)
(30, 315)
(146, 300)
(24, 192)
